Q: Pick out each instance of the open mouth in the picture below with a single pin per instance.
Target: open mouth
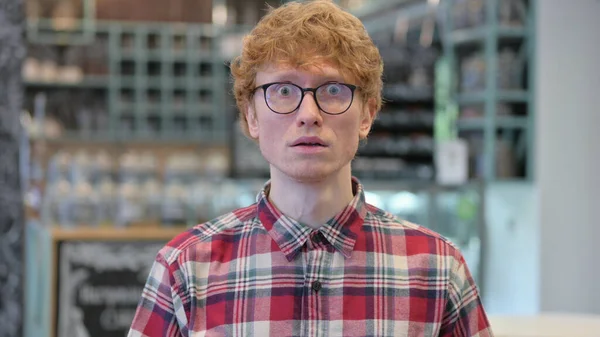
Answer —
(309, 144)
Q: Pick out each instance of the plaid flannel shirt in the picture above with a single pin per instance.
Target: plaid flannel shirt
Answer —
(256, 272)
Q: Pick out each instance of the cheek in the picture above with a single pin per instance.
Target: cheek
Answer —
(270, 128)
(348, 131)
(272, 134)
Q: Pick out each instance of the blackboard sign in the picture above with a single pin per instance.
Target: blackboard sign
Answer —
(100, 284)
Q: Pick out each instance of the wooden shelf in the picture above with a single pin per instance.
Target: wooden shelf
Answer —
(88, 82)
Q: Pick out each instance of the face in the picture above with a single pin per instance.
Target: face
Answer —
(308, 144)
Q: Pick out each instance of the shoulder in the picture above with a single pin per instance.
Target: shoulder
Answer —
(200, 237)
(416, 239)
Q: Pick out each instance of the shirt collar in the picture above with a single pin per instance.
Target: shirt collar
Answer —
(290, 235)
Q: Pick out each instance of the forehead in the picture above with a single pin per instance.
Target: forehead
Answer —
(314, 73)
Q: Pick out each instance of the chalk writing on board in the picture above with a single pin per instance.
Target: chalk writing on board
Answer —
(100, 285)
(96, 255)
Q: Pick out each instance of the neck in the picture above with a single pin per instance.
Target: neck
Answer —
(311, 203)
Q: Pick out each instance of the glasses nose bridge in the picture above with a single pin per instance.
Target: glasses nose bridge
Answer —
(307, 90)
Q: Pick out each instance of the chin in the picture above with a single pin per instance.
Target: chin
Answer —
(306, 169)
(308, 172)
(308, 176)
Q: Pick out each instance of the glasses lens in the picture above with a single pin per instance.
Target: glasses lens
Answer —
(334, 98)
(283, 97)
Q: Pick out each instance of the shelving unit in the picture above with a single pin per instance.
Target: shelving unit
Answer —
(401, 144)
(152, 85)
(491, 52)
(161, 81)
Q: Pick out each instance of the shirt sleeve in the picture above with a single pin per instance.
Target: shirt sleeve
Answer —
(464, 315)
(160, 310)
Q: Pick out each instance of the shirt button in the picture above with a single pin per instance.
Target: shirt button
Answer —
(318, 238)
(316, 286)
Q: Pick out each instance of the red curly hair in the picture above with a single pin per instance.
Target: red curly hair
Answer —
(303, 35)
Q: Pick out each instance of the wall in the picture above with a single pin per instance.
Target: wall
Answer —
(511, 277)
(568, 153)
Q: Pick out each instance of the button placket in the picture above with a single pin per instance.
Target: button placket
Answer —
(316, 285)
(317, 278)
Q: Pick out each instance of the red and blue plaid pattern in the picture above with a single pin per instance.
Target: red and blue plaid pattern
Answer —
(256, 272)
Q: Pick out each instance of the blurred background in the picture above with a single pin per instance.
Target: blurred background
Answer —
(129, 136)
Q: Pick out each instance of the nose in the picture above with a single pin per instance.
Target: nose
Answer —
(308, 112)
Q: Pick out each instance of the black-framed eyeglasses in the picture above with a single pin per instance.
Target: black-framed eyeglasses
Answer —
(332, 98)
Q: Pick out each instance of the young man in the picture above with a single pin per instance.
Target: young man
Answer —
(310, 258)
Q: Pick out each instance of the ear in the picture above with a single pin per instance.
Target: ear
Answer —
(367, 117)
(252, 120)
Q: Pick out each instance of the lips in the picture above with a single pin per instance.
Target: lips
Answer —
(309, 141)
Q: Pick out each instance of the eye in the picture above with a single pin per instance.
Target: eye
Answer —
(333, 89)
(284, 90)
